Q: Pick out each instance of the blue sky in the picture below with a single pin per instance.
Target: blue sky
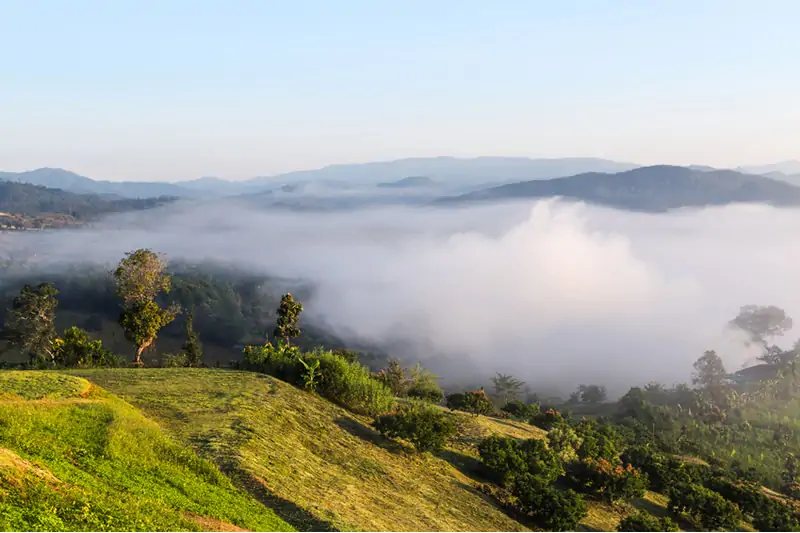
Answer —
(179, 89)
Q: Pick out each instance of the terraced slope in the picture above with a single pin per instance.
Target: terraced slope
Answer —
(74, 457)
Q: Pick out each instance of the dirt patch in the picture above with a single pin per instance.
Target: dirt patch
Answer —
(212, 524)
(20, 468)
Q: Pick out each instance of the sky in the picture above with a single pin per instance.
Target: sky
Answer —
(176, 90)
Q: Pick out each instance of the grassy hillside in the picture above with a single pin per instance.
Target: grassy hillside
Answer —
(74, 457)
(321, 467)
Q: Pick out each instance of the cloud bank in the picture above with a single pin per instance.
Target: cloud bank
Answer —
(553, 292)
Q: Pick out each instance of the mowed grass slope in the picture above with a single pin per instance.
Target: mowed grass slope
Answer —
(74, 457)
(320, 466)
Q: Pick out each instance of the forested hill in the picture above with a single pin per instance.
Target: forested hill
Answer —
(33, 200)
(655, 188)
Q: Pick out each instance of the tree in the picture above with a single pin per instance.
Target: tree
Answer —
(762, 322)
(140, 279)
(507, 387)
(192, 347)
(709, 371)
(76, 349)
(426, 427)
(30, 322)
(288, 313)
(592, 393)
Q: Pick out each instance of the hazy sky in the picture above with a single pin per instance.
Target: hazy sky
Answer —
(180, 89)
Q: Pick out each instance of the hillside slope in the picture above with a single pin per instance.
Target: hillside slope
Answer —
(75, 458)
(319, 466)
(655, 188)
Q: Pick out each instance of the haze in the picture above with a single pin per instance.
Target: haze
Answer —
(176, 90)
(554, 292)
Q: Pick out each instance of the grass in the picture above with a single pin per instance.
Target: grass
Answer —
(74, 457)
(321, 467)
(318, 465)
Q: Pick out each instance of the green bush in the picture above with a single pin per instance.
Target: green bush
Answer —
(598, 441)
(607, 481)
(171, 360)
(521, 410)
(475, 402)
(565, 442)
(76, 349)
(704, 507)
(662, 471)
(768, 514)
(642, 521)
(553, 509)
(547, 420)
(508, 458)
(427, 391)
(347, 383)
(427, 428)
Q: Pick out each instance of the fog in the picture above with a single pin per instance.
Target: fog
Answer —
(553, 292)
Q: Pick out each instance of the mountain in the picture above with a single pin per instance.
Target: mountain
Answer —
(784, 167)
(57, 178)
(452, 172)
(408, 183)
(655, 188)
(34, 200)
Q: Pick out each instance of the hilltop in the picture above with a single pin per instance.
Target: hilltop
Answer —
(655, 188)
(34, 204)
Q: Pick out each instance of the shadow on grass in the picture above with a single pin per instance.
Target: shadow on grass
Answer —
(469, 466)
(366, 433)
(289, 512)
(642, 504)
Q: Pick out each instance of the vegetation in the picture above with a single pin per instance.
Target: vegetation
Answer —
(475, 402)
(30, 322)
(65, 462)
(427, 428)
(140, 278)
(641, 521)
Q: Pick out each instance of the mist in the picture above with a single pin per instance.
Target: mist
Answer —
(553, 292)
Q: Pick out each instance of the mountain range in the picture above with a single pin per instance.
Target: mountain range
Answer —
(427, 181)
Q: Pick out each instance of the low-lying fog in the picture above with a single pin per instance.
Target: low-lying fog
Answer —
(552, 292)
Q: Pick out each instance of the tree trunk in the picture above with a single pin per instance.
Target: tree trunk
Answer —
(139, 351)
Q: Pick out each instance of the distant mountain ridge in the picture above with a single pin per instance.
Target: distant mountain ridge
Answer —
(655, 189)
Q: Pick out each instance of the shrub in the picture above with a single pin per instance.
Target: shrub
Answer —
(703, 506)
(553, 509)
(76, 349)
(608, 481)
(768, 514)
(598, 441)
(565, 442)
(171, 360)
(475, 402)
(427, 391)
(662, 471)
(508, 458)
(521, 410)
(347, 383)
(547, 420)
(427, 428)
(642, 521)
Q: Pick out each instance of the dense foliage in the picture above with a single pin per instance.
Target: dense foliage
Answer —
(642, 521)
(427, 428)
(703, 507)
(475, 402)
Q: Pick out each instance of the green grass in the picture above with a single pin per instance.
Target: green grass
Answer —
(17, 385)
(74, 457)
(318, 465)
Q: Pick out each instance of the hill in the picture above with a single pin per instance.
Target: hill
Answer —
(57, 178)
(321, 467)
(452, 171)
(73, 458)
(656, 188)
(409, 182)
(34, 200)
